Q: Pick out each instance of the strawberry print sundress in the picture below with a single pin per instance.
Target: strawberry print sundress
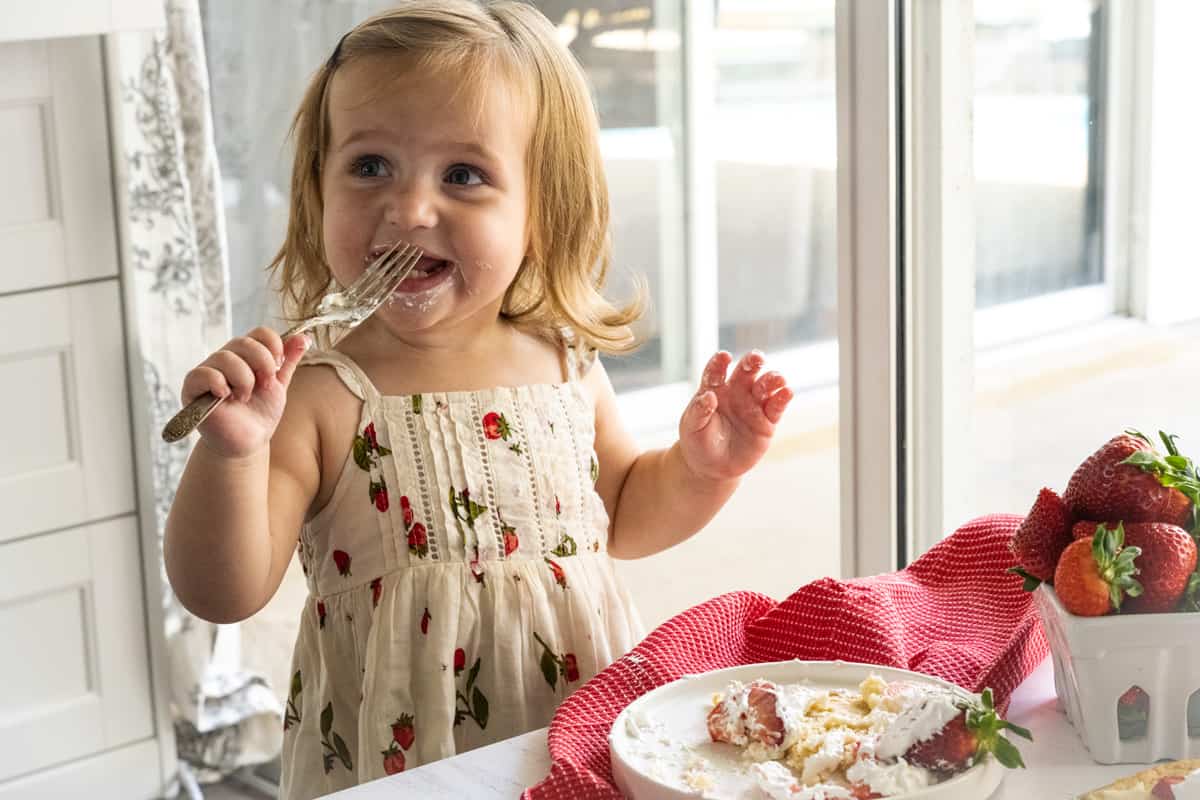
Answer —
(459, 586)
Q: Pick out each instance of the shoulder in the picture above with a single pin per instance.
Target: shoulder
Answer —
(321, 412)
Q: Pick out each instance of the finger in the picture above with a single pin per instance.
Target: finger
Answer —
(747, 369)
(698, 413)
(767, 384)
(257, 355)
(776, 403)
(713, 376)
(203, 379)
(237, 372)
(293, 349)
(271, 340)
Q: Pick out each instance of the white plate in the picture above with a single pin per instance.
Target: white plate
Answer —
(682, 706)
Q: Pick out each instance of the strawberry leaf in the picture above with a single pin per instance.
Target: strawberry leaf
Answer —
(1191, 595)
(1030, 583)
(1007, 753)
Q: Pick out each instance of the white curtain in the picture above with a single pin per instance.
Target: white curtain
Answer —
(176, 258)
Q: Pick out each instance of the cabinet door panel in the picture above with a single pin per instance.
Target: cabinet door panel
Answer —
(76, 678)
(67, 456)
(56, 213)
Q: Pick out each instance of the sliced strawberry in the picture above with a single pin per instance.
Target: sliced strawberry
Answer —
(1041, 538)
(1162, 790)
(967, 738)
(759, 723)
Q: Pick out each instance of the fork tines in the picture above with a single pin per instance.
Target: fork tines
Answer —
(385, 272)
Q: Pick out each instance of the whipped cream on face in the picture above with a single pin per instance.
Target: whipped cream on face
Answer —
(779, 783)
(920, 719)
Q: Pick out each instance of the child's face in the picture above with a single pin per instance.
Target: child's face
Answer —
(408, 159)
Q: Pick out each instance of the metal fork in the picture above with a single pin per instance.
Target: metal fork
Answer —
(346, 309)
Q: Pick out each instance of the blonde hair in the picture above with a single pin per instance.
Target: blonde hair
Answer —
(559, 281)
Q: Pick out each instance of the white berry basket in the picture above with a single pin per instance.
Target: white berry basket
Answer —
(1097, 659)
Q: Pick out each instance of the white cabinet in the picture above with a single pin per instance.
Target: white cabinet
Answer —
(76, 677)
(78, 716)
(64, 416)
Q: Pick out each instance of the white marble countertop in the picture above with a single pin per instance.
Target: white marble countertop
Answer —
(1059, 767)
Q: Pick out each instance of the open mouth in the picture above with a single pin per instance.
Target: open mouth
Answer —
(428, 272)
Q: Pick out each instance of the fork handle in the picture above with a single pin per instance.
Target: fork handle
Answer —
(190, 416)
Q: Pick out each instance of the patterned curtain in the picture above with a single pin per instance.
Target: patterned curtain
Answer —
(176, 258)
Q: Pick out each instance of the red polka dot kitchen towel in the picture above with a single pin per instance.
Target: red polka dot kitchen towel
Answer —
(953, 613)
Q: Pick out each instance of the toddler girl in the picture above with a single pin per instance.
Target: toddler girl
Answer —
(452, 472)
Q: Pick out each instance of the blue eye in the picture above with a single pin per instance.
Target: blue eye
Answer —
(368, 167)
(464, 175)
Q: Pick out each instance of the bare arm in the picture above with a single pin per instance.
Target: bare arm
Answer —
(236, 517)
(659, 498)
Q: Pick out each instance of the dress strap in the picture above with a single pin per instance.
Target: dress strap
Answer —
(350, 373)
(578, 356)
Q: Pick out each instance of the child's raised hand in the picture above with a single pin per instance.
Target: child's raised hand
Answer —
(256, 370)
(727, 427)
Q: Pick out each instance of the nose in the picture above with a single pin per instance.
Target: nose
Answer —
(411, 205)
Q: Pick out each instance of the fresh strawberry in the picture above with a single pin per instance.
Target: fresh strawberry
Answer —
(1041, 538)
(967, 738)
(1088, 527)
(1128, 480)
(862, 791)
(1096, 572)
(1164, 567)
(402, 731)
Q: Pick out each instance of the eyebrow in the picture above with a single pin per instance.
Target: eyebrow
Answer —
(471, 147)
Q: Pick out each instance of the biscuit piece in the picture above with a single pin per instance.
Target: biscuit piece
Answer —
(1126, 788)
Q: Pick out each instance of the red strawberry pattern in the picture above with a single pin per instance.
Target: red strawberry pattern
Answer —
(560, 577)
(368, 455)
(495, 426)
(511, 540)
(418, 540)
(555, 666)
(393, 759)
(482, 543)
(402, 731)
(418, 536)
